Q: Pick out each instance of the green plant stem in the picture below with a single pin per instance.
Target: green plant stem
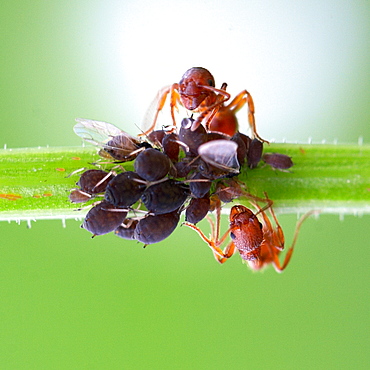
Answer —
(34, 183)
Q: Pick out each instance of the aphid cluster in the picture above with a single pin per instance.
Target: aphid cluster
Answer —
(190, 168)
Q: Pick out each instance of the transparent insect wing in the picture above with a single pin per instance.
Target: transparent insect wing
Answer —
(95, 132)
(151, 112)
(221, 154)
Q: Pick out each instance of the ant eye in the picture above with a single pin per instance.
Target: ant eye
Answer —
(232, 235)
(211, 83)
(260, 225)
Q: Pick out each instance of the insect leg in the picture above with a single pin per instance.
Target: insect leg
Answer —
(175, 99)
(239, 101)
(278, 266)
(219, 101)
(211, 243)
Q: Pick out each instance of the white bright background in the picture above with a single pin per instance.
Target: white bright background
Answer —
(306, 63)
(303, 62)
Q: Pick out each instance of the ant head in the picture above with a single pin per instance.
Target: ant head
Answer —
(193, 87)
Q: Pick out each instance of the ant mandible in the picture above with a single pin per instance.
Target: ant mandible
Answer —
(196, 91)
(258, 241)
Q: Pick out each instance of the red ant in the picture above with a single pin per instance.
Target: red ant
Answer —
(196, 91)
(258, 241)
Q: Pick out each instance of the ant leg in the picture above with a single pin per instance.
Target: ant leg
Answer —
(175, 98)
(254, 199)
(218, 221)
(211, 243)
(214, 242)
(280, 267)
(238, 103)
(219, 101)
(230, 248)
(213, 228)
(228, 252)
(278, 234)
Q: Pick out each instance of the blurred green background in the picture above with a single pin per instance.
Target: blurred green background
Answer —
(68, 301)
